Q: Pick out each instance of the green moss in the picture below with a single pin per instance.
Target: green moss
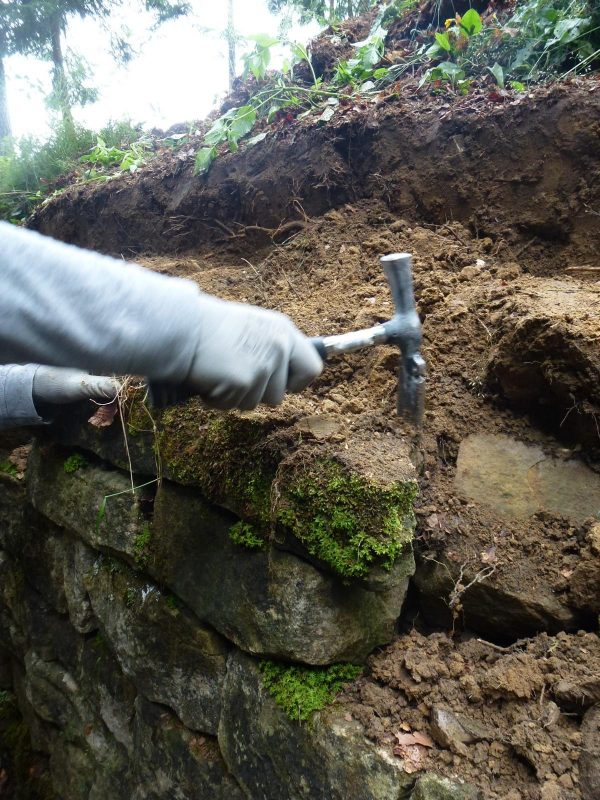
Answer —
(301, 691)
(172, 602)
(227, 459)
(8, 469)
(74, 463)
(140, 545)
(129, 597)
(346, 521)
(247, 535)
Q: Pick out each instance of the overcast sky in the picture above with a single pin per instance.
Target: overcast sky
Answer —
(178, 76)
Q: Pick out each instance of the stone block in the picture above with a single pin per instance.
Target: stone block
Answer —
(169, 655)
(273, 757)
(172, 761)
(487, 608)
(93, 502)
(268, 602)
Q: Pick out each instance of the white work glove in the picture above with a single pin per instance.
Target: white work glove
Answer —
(247, 355)
(58, 385)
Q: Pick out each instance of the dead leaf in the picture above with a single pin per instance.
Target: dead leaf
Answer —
(105, 415)
(423, 739)
(414, 757)
(408, 739)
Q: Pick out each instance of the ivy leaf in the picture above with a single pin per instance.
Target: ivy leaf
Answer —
(264, 40)
(443, 41)
(299, 51)
(242, 123)
(204, 159)
(451, 70)
(498, 74)
(471, 22)
(256, 139)
(217, 133)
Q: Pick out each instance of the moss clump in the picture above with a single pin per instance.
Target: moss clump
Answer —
(8, 469)
(228, 459)
(301, 691)
(140, 545)
(346, 521)
(247, 535)
(172, 602)
(74, 463)
(130, 597)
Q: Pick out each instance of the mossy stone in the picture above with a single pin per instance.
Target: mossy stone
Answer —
(349, 522)
(273, 756)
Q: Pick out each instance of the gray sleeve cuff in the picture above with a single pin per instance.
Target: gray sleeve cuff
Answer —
(16, 396)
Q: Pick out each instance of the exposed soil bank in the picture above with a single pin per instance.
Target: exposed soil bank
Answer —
(525, 169)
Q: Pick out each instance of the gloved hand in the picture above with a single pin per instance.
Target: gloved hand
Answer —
(57, 385)
(247, 355)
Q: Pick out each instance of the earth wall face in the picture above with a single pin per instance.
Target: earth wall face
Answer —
(527, 169)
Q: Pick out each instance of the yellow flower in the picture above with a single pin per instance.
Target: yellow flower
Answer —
(448, 22)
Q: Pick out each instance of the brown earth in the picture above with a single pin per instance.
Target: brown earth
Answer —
(500, 206)
(500, 718)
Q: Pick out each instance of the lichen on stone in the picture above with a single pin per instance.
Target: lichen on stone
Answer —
(301, 691)
(349, 522)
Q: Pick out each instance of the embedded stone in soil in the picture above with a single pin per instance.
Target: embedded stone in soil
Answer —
(518, 480)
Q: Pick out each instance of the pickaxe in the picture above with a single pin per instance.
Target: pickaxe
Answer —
(403, 330)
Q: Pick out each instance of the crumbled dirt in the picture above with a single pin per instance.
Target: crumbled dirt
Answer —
(327, 277)
(498, 717)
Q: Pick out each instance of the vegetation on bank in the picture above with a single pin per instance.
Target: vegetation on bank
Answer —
(533, 42)
(500, 53)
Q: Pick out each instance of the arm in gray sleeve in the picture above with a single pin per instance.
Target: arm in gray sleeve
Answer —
(64, 306)
(16, 396)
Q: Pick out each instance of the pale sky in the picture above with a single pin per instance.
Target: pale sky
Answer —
(178, 76)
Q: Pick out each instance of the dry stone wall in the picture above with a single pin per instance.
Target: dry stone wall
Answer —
(133, 630)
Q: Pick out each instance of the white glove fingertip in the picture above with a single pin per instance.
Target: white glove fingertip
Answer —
(305, 365)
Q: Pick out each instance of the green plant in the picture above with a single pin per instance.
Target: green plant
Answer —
(549, 35)
(104, 156)
(140, 545)
(358, 70)
(8, 469)
(257, 62)
(172, 602)
(74, 463)
(246, 535)
(129, 597)
(301, 691)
